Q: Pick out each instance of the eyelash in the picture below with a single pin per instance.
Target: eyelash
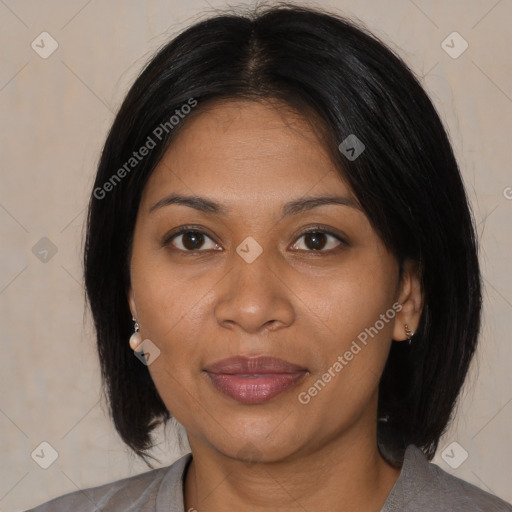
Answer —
(315, 229)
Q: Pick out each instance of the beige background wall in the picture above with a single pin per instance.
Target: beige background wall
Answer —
(55, 114)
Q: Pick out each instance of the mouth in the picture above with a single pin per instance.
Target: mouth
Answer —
(254, 380)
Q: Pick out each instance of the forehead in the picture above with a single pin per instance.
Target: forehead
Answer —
(246, 148)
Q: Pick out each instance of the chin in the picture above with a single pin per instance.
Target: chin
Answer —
(259, 445)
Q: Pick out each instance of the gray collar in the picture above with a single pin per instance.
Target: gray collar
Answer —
(415, 464)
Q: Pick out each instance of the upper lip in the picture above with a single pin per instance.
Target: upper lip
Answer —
(253, 365)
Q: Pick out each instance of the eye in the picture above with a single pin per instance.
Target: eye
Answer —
(316, 239)
(191, 240)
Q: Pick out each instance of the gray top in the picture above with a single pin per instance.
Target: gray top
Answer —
(421, 486)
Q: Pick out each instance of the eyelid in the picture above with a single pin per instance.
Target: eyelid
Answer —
(318, 228)
(168, 238)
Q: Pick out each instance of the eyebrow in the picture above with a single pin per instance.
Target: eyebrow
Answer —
(294, 207)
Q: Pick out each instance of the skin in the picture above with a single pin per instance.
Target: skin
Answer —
(294, 302)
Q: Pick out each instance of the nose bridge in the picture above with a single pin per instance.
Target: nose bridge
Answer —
(252, 271)
(252, 263)
(254, 294)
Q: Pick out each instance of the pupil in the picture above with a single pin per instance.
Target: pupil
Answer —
(317, 240)
(192, 239)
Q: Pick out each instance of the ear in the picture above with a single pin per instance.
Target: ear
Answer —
(410, 296)
(131, 301)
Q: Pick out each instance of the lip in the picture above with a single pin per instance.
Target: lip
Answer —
(253, 380)
(253, 365)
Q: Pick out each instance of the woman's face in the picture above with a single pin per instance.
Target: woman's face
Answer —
(252, 284)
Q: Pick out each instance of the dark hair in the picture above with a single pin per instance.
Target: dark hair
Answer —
(407, 181)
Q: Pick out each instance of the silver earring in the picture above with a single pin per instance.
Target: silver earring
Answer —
(136, 337)
(408, 333)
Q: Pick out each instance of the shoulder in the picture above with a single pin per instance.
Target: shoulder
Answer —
(143, 492)
(423, 485)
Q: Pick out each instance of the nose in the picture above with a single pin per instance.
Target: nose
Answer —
(254, 297)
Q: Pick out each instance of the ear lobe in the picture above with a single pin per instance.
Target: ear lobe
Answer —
(411, 299)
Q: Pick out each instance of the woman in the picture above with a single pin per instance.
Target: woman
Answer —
(279, 232)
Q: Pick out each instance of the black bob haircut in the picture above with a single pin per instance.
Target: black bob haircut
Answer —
(407, 180)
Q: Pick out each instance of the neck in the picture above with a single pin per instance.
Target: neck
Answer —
(345, 474)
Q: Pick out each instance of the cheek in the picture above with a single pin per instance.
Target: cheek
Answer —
(172, 326)
(355, 314)
(173, 305)
(166, 293)
(351, 300)
(164, 299)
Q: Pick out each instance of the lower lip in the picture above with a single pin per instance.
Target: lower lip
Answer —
(254, 390)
